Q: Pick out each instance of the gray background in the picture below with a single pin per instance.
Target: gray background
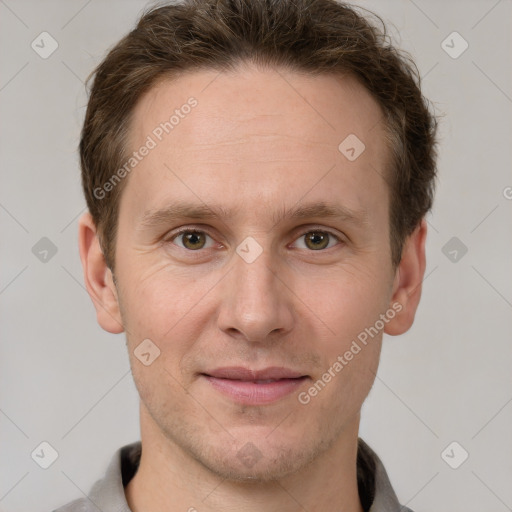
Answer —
(65, 381)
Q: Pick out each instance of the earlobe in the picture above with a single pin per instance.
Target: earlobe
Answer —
(408, 281)
(98, 277)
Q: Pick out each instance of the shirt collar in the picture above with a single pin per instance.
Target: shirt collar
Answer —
(107, 494)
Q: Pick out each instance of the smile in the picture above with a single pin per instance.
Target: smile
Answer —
(255, 387)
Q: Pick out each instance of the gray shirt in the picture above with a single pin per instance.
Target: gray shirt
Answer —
(107, 494)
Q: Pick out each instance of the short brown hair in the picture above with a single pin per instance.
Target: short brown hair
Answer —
(316, 37)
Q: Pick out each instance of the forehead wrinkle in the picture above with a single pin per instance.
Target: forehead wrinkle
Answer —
(277, 138)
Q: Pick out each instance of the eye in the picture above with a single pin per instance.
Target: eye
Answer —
(317, 240)
(191, 239)
(195, 240)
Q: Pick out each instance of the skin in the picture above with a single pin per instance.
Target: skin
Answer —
(258, 146)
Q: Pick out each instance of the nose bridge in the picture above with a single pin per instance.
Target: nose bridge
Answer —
(256, 276)
(256, 301)
(255, 282)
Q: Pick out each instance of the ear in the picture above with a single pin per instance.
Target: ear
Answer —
(98, 277)
(408, 281)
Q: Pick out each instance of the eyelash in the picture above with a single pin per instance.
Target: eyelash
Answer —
(176, 234)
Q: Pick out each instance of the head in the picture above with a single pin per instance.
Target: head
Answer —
(291, 144)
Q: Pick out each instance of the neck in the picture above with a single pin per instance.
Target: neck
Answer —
(168, 478)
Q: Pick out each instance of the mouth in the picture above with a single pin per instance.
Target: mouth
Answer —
(255, 387)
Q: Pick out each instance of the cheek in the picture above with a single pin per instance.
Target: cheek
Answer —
(351, 349)
(348, 306)
(158, 301)
(171, 310)
(158, 308)
(346, 301)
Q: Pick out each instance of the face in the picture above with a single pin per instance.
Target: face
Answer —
(254, 253)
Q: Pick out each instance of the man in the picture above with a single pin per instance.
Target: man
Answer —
(257, 175)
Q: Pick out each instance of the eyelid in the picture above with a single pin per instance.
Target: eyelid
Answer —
(188, 229)
(303, 230)
(298, 233)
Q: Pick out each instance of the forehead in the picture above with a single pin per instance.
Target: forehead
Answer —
(328, 105)
(267, 130)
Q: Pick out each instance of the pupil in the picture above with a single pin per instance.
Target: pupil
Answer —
(193, 239)
(318, 240)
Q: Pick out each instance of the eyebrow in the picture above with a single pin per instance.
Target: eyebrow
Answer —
(182, 210)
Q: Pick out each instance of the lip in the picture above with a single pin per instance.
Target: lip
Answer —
(255, 387)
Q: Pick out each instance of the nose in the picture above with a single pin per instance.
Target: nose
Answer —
(257, 299)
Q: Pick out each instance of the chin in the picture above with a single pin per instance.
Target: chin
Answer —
(266, 469)
(255, 459)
